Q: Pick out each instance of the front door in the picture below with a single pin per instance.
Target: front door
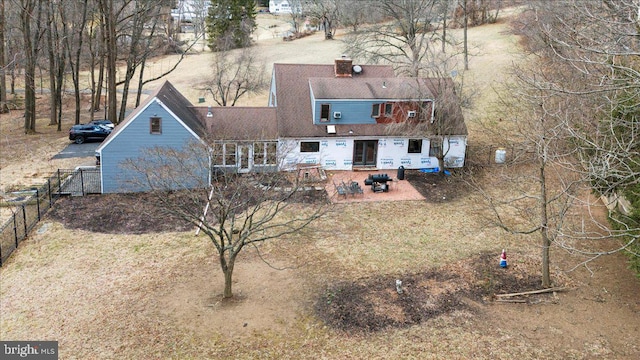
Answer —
(244, 158)
(365, 152)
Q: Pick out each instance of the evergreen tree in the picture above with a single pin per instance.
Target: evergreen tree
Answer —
(230, 24)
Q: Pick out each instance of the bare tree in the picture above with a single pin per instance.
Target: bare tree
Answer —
(31, 13)
(589, 54)
(354, 14)
(325, 12)
(56, 32)
(439, 116)
(4, 107)
(109, 12)
(235, 74)
(575, 112)
(142, 22)
(297, 14)
(73, 44)
(233, 211)
(405, 39)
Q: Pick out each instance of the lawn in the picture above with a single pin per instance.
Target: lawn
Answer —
(325, 293)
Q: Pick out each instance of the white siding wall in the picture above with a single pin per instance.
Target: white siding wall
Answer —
(337, 154)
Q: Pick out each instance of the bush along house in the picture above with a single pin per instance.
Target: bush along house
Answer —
(339, 116)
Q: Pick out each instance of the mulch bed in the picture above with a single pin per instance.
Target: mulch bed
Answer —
(374, 304)
(438, 187)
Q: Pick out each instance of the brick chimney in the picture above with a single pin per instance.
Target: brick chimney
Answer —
(343, 67)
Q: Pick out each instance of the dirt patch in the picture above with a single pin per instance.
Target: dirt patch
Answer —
(374, 304)
(137, 213)
(436, 187)
(116, 214)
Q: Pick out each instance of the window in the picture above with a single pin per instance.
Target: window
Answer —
(218, 154)
(230, 154)
(415, 146)
(155, 125)
(388, 109)
(324, 112)
(309, 146)
(272, 152)
(435, 148)
(258, 153)
(375, 110)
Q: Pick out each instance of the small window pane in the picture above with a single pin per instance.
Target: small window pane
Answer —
(218, 154)
(324, 112)
(309, 146)
(272, 153)
(415, 146)
(388, 109)
(230, 154)
(375, 110)
(258, 153)
(155, 125)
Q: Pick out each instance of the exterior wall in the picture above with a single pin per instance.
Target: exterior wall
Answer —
(130, 144)
(359, 111)
(392, 152)
(279, 7)
(455, 150)
(352, 111)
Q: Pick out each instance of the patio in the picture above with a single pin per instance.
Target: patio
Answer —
(398, 189)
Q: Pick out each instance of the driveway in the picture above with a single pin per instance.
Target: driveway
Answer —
(73, 150)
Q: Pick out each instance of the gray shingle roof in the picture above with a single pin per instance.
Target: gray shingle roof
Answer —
(293, 95)
(240, 123)
(295, 81)
(370, 88)
(180, 106)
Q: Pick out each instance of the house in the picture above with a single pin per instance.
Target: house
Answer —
(165, 119)
(190, 10)
(337, 116)
(280, 7)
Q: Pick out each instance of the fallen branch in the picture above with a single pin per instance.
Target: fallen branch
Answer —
(541, 291)
(511, 301)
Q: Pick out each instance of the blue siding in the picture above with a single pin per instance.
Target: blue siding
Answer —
(130, 144)
(352, 111)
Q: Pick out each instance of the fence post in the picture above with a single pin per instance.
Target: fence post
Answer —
(15, 229)
(50, 197)
(24, 218)
(38, 203)
(59, 183)
(82, 181)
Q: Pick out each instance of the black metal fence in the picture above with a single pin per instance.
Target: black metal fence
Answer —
(27, 207)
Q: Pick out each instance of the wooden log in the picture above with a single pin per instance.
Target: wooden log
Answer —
(541, 291)
(509, 301)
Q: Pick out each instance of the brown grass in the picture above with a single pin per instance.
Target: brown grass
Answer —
(157, 296)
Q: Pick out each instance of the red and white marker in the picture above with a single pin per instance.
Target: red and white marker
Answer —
(503, 259)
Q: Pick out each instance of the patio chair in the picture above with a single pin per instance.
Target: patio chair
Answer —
(355, 188)
(341, 190)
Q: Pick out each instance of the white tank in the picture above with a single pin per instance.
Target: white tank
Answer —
(501, 155)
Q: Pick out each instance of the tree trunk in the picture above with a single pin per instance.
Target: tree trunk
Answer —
(4, 107)
(227, 268)
(108, 17)
(29, 68)
(466, 49)
(544, 230)
(74, 61)
(53, 102)
(444, 26)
